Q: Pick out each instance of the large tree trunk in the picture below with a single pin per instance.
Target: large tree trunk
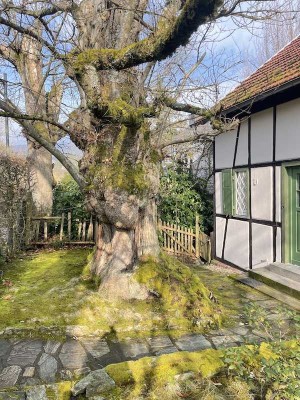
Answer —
(118, 252)
(123, 181)
(30, 67)
(41, 174)
(119, 163)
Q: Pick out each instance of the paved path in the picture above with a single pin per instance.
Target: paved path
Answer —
(31, 362)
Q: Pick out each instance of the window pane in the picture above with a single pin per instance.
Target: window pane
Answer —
(241, 191)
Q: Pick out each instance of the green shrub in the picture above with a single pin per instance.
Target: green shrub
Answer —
(182, 196)
(272, 371)
(68, 197)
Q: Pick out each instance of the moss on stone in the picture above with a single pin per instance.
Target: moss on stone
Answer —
(59, 391)
(153, 378)
(149, 374)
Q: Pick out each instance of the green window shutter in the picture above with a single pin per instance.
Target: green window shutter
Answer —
(227, 191)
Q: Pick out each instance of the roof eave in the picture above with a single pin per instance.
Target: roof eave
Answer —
(245, 106)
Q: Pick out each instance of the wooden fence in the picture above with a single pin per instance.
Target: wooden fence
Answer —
(185, 241)
(174, 239)
(63, 229)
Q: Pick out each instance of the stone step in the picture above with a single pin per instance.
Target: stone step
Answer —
(277, 281)
(286, 270)
(268, 290)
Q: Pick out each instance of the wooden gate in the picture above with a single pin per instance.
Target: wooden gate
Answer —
(185, 241)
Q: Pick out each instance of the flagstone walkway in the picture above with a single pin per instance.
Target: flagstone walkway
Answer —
(32, 361)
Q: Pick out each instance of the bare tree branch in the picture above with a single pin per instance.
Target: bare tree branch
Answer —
(31, 33)
(158, 46)
(15, 113)
(188, 139)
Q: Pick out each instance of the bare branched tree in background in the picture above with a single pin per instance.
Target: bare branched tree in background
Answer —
(42, 91)
(273, 35)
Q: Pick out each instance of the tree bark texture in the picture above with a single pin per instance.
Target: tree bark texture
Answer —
(29, 64)
(41, 172)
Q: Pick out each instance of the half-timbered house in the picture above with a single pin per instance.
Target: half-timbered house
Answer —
(257, 168)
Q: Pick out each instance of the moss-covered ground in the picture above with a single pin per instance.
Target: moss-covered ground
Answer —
(265, 371)
(53, 288)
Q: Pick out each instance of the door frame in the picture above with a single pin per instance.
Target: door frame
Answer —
(286, 211)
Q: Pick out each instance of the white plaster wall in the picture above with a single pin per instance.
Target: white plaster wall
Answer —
(262, 193)
(278, 245)
(218, 192)
(224, 147)
(237, 243)
(242, 149)
(220, 228)
(262, 244)
(288, 130)
(278, 194)
(262, 136)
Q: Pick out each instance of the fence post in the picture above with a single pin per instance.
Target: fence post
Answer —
(96, 228)
(37, 230)
(197, 233)
(45, 230)
(61, 233)
(209, 251)
(90, 231)
(69, 225)
(84, 231)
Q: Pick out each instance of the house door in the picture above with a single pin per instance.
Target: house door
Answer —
(294, 214)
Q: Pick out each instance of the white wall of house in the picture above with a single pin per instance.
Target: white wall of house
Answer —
(262, 193)
(262, 244)
(278, 245)
(278, 194)
(242, 149)
(288, 130)
(224, 149)
(220, 229)
(262, 136)
(236, 248)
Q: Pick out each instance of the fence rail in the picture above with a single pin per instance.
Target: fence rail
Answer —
(185, 241)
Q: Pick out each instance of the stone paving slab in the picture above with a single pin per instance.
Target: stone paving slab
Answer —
(48, 367)
(192, 343)
(73, 355)
(97, 348)
(9, 376)
(134, 348)
(13, 396)
(5, 346)
(161, 345)
(51, 347)
(227, 341)
(25, 353)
